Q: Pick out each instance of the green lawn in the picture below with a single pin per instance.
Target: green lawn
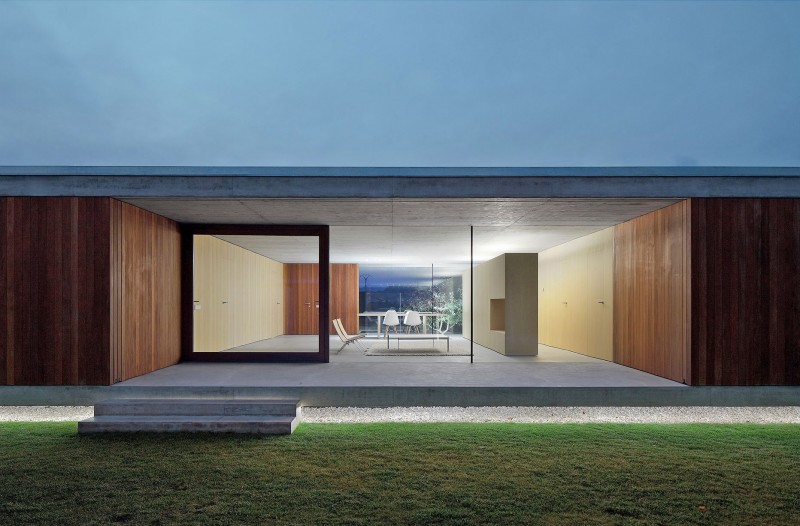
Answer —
(405, 474)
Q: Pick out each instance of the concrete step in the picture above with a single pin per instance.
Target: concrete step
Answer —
(196, 407)
(265, 424)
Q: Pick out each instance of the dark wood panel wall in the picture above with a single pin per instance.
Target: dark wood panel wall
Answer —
(88, 291)
(55, 287)
(145, 286)
(300, 286)
(651, 292)
(746, 291)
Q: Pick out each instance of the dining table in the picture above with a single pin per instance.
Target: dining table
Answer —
(380, 315)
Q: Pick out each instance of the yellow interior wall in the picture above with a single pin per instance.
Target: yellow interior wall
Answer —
(239, 294)
(576, 295)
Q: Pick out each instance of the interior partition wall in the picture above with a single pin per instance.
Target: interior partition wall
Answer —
(236, 299)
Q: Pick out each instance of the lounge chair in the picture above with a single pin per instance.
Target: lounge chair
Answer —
(346, 338)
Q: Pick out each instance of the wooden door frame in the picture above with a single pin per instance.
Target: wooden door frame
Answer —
(189, 230)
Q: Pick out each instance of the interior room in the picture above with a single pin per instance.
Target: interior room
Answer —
(532, 280)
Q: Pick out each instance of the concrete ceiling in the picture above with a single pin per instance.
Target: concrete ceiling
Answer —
(409, 232)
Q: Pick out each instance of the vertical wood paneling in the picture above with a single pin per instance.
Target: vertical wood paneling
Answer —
(573, 279)
(301, 290)
(249, 284)
(145, 279)
(651, 316)
(746, 291)
(301, 296)
(344, 296)
(55, 271)
(6, 303)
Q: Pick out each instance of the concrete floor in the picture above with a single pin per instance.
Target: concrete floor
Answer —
(352, 354)
(551, 368)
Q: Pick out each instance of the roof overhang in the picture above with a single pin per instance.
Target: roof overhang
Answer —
(409, 182)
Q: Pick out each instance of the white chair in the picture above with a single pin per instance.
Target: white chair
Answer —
(391, 319)
(346, 338)
(412, 320)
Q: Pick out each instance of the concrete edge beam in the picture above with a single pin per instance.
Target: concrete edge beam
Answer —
(460, 187)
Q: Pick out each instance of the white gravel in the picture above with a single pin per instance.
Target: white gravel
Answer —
(560, 415)
(44, 413)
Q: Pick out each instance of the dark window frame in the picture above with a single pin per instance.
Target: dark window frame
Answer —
(188, 231)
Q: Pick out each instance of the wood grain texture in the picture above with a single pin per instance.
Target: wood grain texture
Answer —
(574, 278)
(344, 295)
(300, 298)
(301, 283)
(651, 292)
(240, 295)
(746, 292)
(55, 268)
(145, 291)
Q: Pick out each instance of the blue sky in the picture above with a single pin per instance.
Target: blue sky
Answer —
(400, 84)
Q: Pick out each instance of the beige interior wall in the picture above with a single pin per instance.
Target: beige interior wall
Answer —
(576, 295)
(239, 295)
(521, 308)
(490, 283)
(512, 277)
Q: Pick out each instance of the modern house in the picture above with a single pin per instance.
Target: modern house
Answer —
(110, 273)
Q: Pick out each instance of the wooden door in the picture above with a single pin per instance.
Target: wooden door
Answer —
(601, 296)
(301, 298)
(213, 294)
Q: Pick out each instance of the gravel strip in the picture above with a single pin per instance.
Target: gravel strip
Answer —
(560, 415)
(557, 415)
(44, 413)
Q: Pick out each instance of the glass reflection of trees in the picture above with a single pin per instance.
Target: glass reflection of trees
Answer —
(444, 297)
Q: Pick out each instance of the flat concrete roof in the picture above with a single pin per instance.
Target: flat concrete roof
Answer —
(400, 182)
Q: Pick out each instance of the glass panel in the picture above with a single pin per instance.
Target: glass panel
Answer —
(416, 270)
(434, 292)
(256, 293)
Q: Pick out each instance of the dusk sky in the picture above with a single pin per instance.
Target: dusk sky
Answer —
(400, 84)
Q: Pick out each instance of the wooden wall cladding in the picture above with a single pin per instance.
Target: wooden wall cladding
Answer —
(145, 291)
(745, 292)
(55, 287)
(301, 285)
(344, 296)
(576, 296)
(240, 295)
(651, 292)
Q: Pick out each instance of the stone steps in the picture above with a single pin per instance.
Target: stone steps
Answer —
(273, 417)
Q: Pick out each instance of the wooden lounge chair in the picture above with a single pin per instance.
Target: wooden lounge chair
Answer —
(346, 338)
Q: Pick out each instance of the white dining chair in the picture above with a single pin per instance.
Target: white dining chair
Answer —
(412, 321)
(391, 319)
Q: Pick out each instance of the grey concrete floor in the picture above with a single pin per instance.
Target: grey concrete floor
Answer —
(552, 368)
(352, 354)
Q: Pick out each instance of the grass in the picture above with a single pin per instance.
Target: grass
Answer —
(405, 474)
